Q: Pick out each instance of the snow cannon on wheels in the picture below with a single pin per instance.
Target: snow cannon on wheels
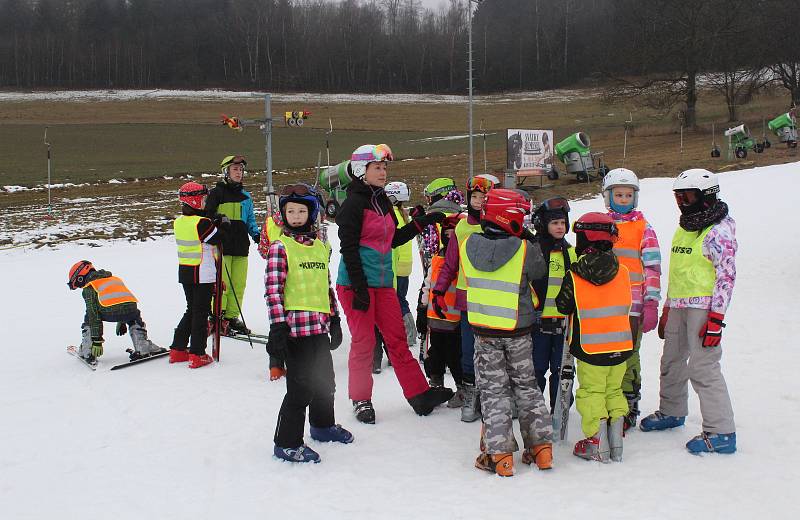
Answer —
(334, 179)
(785, 127)
(577, 156)
(296, 118)
(740, 140)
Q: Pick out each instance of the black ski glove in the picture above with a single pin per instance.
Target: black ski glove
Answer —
(335, 326)
(435, 217)
(121, 328)
(416, 211)
(257, 238)
(422, 319)
(278, 339)
(361, 299)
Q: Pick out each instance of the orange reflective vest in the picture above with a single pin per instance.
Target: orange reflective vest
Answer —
(452, 314)
(603, 313)
(111, 291)
(628, 248)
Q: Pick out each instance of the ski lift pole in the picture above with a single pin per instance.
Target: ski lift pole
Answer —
(49, 183)
(485, 164)
(267, 129)
(628, 122)
(327, 143)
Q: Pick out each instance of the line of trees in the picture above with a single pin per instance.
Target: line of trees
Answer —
(397, 45)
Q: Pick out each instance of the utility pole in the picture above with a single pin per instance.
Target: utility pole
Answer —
(470, 68)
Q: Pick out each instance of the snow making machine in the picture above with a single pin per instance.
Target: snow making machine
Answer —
(740, 141)
(577, 156)
(785, 127)
(334, 180)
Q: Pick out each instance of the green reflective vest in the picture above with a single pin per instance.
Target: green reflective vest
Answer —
(232, 210)
(463, 231)
(555, 276)
(190, 249)
(401, 255)
(493, 297)
(306, 287)
(690, 272)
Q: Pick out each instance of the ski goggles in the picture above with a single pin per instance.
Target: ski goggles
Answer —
(611, 228)
(378, 153)
(479, 184)
(79, 274)
(298, 189)
(556, 203)
(194, 193)
(233, 159)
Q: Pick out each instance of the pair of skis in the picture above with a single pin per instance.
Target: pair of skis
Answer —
(566, 380)
(73, 350)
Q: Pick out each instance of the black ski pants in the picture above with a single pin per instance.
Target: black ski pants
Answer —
(444, 350)
(194, 323)
(310, 384)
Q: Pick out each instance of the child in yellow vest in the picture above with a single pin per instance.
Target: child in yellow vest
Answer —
(304, 326)
(637, 249)
(597, 295)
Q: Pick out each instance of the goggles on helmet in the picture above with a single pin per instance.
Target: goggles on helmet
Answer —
(194, 193)
(79, 272)
(378, 153)
(481, 184)
(609, 228)
(556, 203)
(233, 159)
(299, 189)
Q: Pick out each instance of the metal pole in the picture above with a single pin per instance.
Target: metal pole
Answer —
(469, 76)
(625, 144)
(268, 150)
(485, 163)
(327, 142)
(49, 183)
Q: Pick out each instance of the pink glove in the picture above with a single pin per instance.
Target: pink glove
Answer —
(649, 316)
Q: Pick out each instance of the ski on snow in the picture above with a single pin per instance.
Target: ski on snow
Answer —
(566, 380)
(73, 350)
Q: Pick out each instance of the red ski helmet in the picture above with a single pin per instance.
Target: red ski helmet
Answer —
(596, 227)
(192, 194)
(78, 272)
(506, 209)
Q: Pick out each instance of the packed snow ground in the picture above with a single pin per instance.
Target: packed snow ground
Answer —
(163, 441)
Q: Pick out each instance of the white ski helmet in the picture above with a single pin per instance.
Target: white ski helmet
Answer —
(697, 179)
(365, 154)
(620, 177)
(397, 192)
(492, 178)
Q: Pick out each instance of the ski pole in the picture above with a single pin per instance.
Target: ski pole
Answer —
(241, 313)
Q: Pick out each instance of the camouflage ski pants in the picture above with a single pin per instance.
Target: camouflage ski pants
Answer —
(504, 371)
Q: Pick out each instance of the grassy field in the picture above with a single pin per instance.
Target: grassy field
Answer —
(150, 139)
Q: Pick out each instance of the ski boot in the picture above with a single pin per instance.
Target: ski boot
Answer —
(616, 432)
(142, 346)
(299, 454)
(540, 454)
(500, 463)
(178, 355)
(424, 403)
(364, 411)
(659, 421)
(457, 401)
(594, 447)
(411, 330)
(471, 411)
(196, 361)
(436, 381)
(712, 443)
(236, 326)
(633, 410)
(333, 433)
(377, 358)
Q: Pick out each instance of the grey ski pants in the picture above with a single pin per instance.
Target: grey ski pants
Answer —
(685, 359)
(504, 372)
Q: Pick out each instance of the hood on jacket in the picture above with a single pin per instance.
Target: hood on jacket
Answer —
(490, 254)
(598, 267)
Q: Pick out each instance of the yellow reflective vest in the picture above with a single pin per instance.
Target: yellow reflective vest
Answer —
(401, 255)
(190, 248)
(555, 276)
(690, 272)
(306, 287)
(463, 231)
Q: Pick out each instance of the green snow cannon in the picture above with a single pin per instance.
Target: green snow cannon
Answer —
(785, 127)
(576, 155)
(741, 141)
(334, 179)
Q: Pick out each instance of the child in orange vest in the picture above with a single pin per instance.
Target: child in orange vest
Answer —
(443, 332)
(638, 250)
(597, 295)
(108, 299)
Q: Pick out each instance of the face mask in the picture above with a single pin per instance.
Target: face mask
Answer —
(621, 209)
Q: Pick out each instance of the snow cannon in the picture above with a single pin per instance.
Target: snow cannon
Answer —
(575, 153)
(785, 127)
(740, 140)
(334, 179)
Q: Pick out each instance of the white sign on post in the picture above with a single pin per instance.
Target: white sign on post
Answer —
(529, 150)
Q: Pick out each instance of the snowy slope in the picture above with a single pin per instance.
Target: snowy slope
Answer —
(163, 441)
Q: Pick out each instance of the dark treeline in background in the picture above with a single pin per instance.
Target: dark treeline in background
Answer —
(397, 45)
